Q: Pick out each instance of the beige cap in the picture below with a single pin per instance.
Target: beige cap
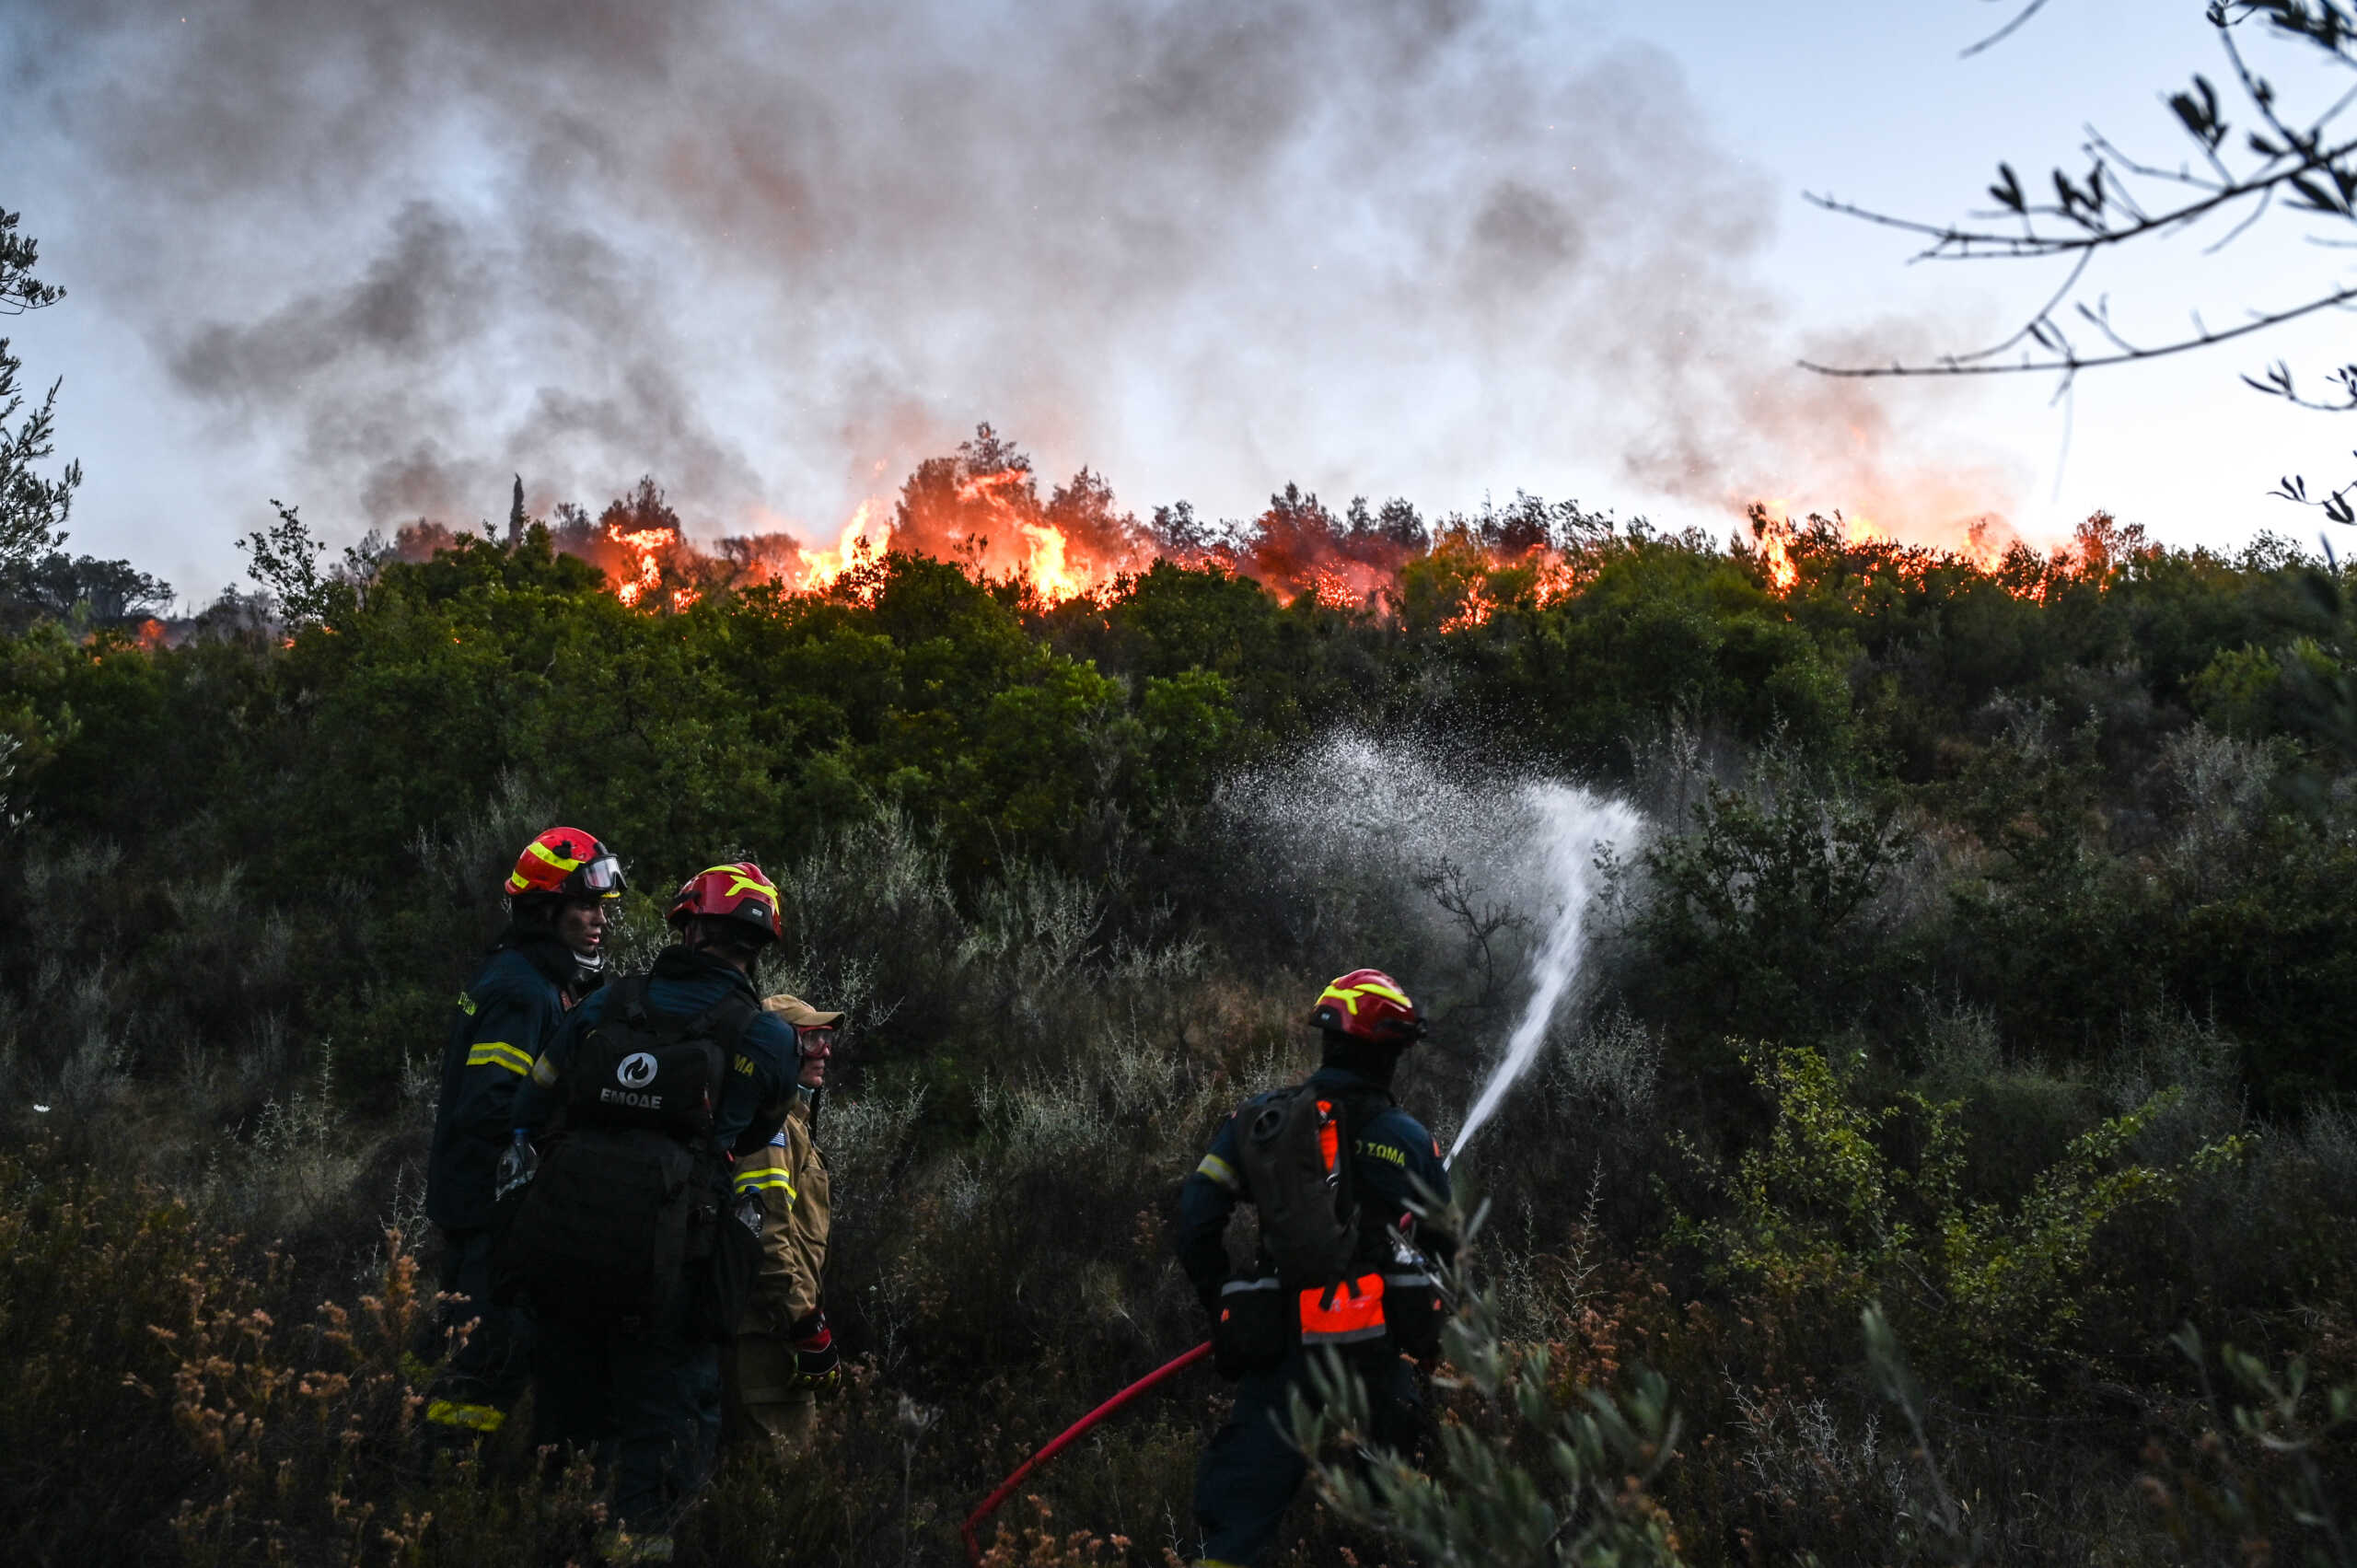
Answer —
(798, 1013)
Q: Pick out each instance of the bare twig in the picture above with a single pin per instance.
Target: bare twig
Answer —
(2070, 363)
(2001, 34)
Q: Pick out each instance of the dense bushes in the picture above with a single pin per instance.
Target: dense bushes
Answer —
(1990, 960)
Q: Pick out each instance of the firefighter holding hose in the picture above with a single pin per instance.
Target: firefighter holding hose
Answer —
(1335, 1169)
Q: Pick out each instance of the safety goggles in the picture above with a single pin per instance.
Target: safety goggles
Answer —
(601, 877)
(814, 1039)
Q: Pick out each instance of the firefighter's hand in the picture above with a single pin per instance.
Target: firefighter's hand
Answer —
(818, 1363)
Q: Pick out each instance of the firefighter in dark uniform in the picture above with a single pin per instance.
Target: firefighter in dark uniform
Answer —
(550, 956)
(648, 1399)
(1251, 1470)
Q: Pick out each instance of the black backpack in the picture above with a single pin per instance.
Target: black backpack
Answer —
(1297, 1148)
(1294, 1148)
(630, 1203)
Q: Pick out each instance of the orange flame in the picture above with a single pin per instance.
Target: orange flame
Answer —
(994, 525)
(1054, 579)
(821, 567)
(2098, 545)
(1476, 611)
(646, 548)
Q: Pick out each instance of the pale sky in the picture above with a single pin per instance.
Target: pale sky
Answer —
(371, 259)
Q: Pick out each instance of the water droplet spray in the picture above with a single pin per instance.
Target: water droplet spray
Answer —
(1352, 830)
(1575, 827)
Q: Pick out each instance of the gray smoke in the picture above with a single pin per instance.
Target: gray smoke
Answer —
(775, 254)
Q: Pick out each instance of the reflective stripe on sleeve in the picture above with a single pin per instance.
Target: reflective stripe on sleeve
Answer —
(1219, 1170)
(1238, 1287)
(544, 1071)
(766, 1180)
(499, 1054)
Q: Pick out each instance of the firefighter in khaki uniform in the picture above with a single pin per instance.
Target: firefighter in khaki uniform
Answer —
(784, 1355)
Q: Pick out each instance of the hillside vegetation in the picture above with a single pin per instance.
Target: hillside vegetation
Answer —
(1976, 1019)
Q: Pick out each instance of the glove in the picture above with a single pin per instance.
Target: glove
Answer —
(816, 1363)
(517, 1162)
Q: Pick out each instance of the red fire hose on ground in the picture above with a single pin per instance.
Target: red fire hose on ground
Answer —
(1006, 1488)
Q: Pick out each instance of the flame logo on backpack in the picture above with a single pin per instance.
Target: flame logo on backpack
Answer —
(636, 1071)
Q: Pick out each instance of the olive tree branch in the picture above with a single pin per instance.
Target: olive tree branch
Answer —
(2085, 203)
(2274, 164)
(2067, 361)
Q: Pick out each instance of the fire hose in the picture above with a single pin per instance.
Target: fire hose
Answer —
(1006, 1488)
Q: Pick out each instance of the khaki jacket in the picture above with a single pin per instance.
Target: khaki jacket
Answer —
(789, 1178)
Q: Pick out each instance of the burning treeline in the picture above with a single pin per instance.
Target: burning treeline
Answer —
(981, 508)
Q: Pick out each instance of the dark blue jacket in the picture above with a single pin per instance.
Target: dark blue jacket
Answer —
(760, 1080)
(1390, 1153)
(505, 1018)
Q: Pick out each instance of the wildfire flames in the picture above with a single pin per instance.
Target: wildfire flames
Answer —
(1985, 544)
(981, 509)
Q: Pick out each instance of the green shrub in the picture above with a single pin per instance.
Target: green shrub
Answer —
(1519, 1475)
(1823, 1212)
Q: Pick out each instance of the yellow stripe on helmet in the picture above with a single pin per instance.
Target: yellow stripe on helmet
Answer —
(741, 883)
(518, 883)
(544, 853)
(1347, 995)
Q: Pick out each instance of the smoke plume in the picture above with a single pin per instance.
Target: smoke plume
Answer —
(776, 255)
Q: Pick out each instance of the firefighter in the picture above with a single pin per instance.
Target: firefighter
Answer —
(552, 954)
(1378, 1300)
(636, 1379)
(784, 1355)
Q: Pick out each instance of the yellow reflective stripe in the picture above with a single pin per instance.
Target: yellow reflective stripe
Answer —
(541, 851)
(1219, 1170)
(499, 1054)
(1348, 995)
(741, 883)
(519, 883)
(545, 1072)
(478, 1418)
(754, 1180)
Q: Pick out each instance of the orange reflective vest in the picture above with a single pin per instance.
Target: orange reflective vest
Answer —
(1348, 1312)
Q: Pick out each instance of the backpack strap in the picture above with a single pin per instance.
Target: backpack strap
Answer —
(723, 1023)
(1346, 1150)
(630, 994)
(723, 1026)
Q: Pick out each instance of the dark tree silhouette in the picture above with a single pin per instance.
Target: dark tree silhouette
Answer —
(32, 509)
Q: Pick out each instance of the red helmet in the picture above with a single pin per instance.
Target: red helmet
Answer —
(741, 892)
(566, 862)
(1368, 1005)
